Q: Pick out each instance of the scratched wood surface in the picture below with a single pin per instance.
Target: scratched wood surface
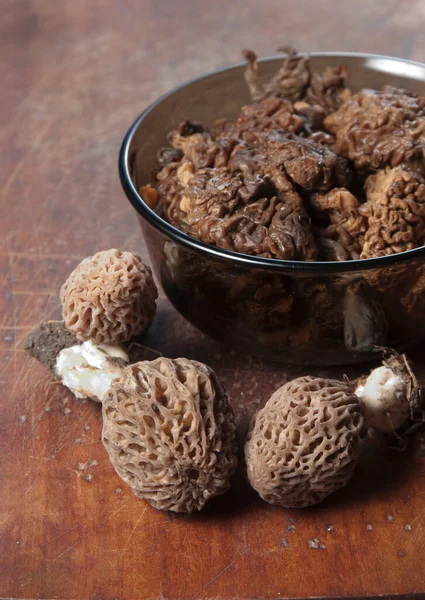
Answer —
(74, 75)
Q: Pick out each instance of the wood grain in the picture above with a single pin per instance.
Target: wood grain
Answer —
(74, 75)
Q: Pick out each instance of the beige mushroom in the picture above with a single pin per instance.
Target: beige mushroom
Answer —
(170, 433)
(304, 444)
(109, 298)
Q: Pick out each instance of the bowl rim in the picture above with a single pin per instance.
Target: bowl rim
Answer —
(246, 260)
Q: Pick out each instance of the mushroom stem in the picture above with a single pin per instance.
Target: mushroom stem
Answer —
(384, 395)
(390, 394)
(88, 369)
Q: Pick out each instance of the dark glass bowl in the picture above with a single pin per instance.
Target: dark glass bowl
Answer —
(324, 313)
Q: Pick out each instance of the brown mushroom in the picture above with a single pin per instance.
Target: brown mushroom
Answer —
(295, 81)
(395, 211)
(346, 225)
(170, 433)
(309, 165)
(109, 297)
(304, 444)
(248, 205)
(378, 129)
(268, 114)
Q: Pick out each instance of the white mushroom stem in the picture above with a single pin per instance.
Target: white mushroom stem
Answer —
(88, 369)
(384, 394)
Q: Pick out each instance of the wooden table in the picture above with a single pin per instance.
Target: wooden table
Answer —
(74, 75)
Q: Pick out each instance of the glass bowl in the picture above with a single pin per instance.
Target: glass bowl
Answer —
(322, 313)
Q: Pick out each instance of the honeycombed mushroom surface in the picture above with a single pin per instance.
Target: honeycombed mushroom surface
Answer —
(246, 184)
(304, 443)
(109, 297)
(376, 129)
(396, 212)
(170, 433)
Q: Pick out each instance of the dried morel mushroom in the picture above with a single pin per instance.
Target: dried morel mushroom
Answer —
(339, 210)
(109, 297)
(249, 206)
(304, 444)
(391, 394)
(275, 181)
(310, 166)
(395, 210)
(170, 433)
(262, 302)
(295, 81)
(268, 114)
(379, 129)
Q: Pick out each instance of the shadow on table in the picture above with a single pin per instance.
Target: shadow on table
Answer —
(382, 470)
(380, 473)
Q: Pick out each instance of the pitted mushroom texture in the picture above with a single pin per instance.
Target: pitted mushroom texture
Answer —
(379, 129)
(305, 172)
(304, 444)
(295, 81)
(268, 114)
(170, 433)
(109, 298)
(346, 225)
(309, 165)
(248, 205)
(395, 210)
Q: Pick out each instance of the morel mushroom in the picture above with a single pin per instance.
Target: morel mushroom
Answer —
(109, 297)
(249, 206)
(268, 114)
(379, 129)
(339, 210)
(390, 394)
(295, 81)
(311, 166)
(170, 433)
(289, 82)
(395, 210)
(304, 444)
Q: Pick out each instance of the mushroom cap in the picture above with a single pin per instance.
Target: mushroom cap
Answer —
(109, 297)
(304, 443)
(170, 433)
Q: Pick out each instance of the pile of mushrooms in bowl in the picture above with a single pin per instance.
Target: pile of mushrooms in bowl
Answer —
(341, 280)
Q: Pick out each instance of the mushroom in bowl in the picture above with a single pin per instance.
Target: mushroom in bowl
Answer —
(301, 271)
